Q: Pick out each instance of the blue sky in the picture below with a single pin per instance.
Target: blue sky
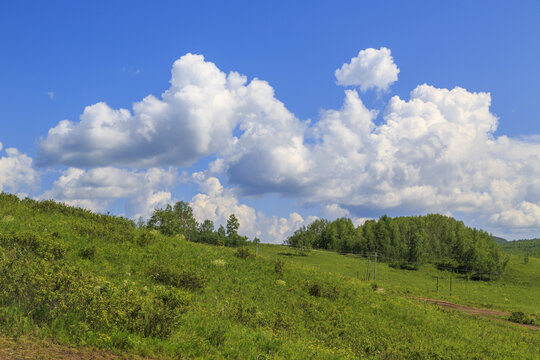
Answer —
(56, 58)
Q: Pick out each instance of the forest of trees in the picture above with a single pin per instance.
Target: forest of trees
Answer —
(408, 242)
(179, 219)
(405, 242)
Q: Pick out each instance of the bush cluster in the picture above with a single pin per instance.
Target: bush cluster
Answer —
(42, 286)
(243, 253)
(185, 279)
(88, 252)
(31, 241)
(403, 265)
(317, 289)
(521, 318)
(147, 237)
(278, 267)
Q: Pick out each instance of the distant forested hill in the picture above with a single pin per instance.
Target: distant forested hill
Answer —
(500, 240)
(409, 240)
(522, 247)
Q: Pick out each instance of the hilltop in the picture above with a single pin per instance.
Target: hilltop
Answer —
(81, 279)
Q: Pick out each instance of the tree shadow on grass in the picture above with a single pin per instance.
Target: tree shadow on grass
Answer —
(290, 254)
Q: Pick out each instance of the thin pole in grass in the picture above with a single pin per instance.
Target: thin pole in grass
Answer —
(450, 284)
(256, 241)
(367, 271)
(375, 273)
(437, 283)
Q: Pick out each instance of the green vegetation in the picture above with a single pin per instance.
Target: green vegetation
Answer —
(408, 242)
(516, 290)
(500, 240)
(179, 220)
(523, 247)
(520, 318)
(80, 278)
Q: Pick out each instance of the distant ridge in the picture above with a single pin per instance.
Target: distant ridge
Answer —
(500, 240)
(522, 247)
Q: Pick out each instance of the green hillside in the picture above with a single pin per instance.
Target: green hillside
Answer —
(530, 247)
(500, 240)
(410, 241)
(84, 279)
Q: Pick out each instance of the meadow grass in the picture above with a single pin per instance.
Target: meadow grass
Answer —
(518, 289)
(165, 297)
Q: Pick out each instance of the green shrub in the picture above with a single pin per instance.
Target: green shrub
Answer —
(403, 265)
(162, 315)
(278, 267)
(521, 318)
(41, 246)
(243, 253)
(315, 290)
(181, 279)
(48, 292)
(147, 237)
(245, 314)
(88, 252)
(122, 340)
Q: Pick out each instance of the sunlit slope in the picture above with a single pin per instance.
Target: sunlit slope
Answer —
(85, 279)
(517, 289)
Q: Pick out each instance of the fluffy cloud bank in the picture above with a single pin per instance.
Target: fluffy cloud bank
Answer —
(16, 171)
(433, 152)
(96, 188)
(144, 191)
(216, 203)
(194, 118)
(372, 68)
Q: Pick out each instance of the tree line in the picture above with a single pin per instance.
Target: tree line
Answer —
(408, 242)
(528, 247)
(179, 219)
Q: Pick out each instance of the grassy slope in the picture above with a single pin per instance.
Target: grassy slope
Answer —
(248, 310)
(517, 290)
(521, 247)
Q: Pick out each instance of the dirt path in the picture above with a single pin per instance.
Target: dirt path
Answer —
(493, 314)
(26, 349)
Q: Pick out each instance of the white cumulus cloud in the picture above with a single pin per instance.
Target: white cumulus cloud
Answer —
(216, 203)
(16, 171)
(195, 117)
(372, 68)
(94, 189)
(435, 151)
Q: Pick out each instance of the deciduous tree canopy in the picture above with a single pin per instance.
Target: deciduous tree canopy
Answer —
(412, 239)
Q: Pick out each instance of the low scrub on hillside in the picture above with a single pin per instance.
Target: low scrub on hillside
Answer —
(85, 279)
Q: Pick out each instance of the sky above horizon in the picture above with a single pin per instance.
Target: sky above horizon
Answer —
(279, 112)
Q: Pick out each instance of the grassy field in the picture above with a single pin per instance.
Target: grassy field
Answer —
(80, 279)
(517, 290)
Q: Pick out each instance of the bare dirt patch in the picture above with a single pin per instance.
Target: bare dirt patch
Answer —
(30, 349)
(493, 314)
